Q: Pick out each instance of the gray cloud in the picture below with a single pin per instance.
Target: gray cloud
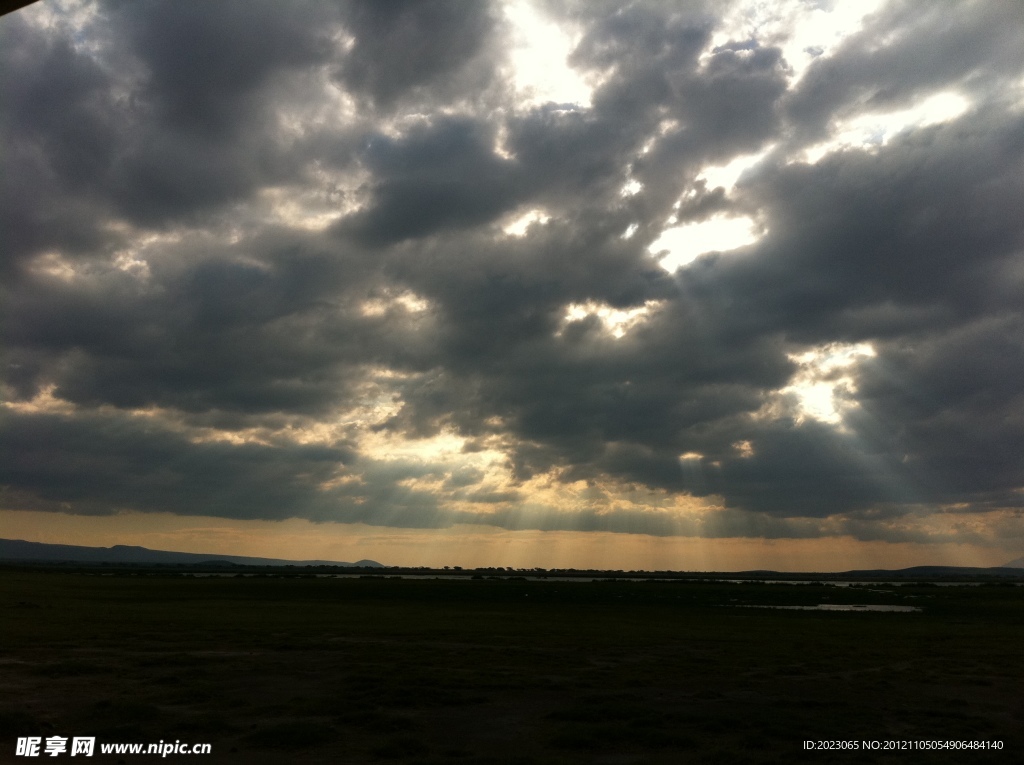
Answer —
(905, 50)
(100, 464)
(203, 69)
(441, 175)
(174, 322)
(432, 49)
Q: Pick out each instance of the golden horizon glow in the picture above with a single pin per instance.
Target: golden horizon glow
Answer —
(484, 546)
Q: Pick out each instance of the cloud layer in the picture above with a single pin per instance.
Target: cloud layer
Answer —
(260, 261)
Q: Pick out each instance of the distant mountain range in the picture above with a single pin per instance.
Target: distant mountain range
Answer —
(20, 550)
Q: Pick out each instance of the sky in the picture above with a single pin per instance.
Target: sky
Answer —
(636, 285)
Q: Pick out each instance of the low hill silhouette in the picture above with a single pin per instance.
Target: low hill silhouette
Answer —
(20, 550)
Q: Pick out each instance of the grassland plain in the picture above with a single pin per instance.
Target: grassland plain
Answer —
(291, 669)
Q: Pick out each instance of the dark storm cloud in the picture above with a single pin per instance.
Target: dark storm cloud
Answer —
(210, 85)
(264, 326)
(172, 113)
(440, 175)
(102, 463)
(156, 295)
(952, 404)
(59, 128)
(204, 65)
(926, 224)
(418, 47)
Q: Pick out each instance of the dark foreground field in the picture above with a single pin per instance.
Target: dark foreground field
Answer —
(304, 670)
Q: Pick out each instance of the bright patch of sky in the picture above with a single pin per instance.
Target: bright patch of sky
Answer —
(128, 262)
(631, 188)
(664, 128)
(407, 301)
(501, 142)
(443, 446)
(72, 17)
(805, 31)
(521, 224)
(617, 321)
(327, 197)
(539, 58)
(680, 245)
(55, 265)
(297, 209)
(135, 258)
(444, 453)
(817, 31)
(824, 384)
(874, 129)
(744, 448)
(44, 402)
(1016, 94)
(729, 174)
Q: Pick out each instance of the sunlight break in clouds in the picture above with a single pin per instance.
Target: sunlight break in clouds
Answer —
(539, 58)
(804, 30)
(681, 245)
(615, 320)
(521, 224)
(407, 301)
(729, 174)
(824, 386)
(872, 130)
